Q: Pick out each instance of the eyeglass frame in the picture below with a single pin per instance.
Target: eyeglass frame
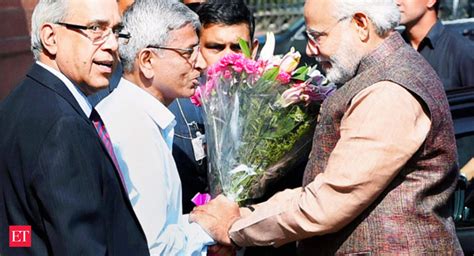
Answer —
(315, 39)
(181, 51)
(116, 31)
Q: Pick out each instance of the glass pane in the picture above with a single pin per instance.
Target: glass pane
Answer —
(465, 146)
(456, 9)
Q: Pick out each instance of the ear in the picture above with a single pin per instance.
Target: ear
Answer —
(431, 3)
(146, 60)
(255, 48)
(361, 22)
(48, 39)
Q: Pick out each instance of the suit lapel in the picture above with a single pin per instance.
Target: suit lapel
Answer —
(45, 78)
(49, 80)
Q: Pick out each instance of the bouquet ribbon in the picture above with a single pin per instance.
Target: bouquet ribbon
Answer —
(201, 199)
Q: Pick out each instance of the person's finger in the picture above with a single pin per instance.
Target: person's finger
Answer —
(194, 215)
(197, 215)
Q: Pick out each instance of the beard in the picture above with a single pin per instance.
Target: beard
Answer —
(343, 63)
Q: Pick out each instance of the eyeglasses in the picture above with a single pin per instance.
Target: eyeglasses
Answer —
(98, 34)
(190, 54)
(314, 37)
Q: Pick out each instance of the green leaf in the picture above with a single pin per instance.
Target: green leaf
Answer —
(244, 46)
(300, 73)
(271, 74)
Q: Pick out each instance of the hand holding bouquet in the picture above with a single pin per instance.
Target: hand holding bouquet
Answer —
(256, 112)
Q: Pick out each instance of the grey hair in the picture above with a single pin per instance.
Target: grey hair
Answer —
(45, 11)
(149, 23)
(384, 14)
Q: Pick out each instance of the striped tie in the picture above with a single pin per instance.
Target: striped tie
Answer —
(104, 137)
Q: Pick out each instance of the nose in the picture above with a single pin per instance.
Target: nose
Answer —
(226, 51)
(111, 43)
(201, 63)
(312, 50)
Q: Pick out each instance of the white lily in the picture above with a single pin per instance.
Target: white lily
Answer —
(266, 53)
(314, 71)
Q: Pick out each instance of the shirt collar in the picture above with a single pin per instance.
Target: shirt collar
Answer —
(435, 33)
(160, 114)
(431, 38)
(76, 93)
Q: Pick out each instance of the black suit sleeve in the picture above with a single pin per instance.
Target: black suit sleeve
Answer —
(68, 183)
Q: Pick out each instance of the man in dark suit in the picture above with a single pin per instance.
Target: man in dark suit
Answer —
(56, 174)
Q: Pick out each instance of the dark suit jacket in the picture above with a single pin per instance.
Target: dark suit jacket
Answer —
(56, 176)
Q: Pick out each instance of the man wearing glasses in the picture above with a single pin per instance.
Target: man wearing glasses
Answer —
(58, 182)
(161, 62)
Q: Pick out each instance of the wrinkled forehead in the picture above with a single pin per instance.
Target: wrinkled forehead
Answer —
(318, 13)
(86, 11)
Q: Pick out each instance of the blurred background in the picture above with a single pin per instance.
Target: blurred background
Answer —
(15, 54)
(283, 17)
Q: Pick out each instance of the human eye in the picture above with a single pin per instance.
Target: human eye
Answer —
(235, 48)
(117, 29)
(95, 28)
(187, 52)
(215, 47)
(313, 35)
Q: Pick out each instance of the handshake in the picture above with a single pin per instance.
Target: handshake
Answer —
(216, 218)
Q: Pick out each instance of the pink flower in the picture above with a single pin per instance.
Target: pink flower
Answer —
(230, 59)
(212, 70)
(238, 67)
(307, 93)
(227, 74)
(261, 66)
(291, 96)
(251, 67)
(196, 98)
(283, 77)
(312, 93)
(290, 61)
(210, 85)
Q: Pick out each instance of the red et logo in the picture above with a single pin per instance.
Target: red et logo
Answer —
(20, 236)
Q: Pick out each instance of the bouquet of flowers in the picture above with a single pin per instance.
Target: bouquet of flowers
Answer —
(256, 112)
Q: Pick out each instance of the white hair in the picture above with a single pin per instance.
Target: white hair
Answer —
(384, 14)
(149, 23)
(52, 11)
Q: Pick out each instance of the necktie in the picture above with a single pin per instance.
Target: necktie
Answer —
(104, 137)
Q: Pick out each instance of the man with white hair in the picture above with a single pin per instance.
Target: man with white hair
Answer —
(383, 163)
(161, 62)
(61, 192)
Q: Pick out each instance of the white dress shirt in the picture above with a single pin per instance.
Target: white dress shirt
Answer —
(78, 94)
(141, 129)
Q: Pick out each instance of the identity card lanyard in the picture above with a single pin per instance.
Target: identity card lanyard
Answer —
(198, 142)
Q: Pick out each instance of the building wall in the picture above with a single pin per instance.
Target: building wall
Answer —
(15, 54)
